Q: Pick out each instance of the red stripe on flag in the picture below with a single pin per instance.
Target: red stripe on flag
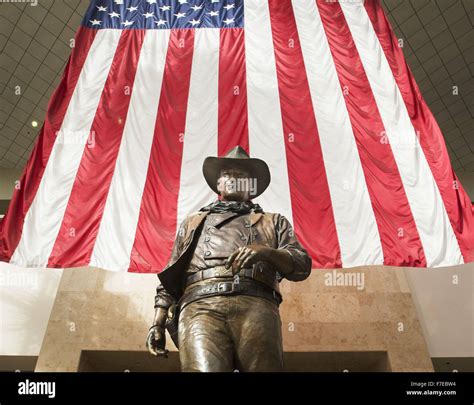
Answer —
(397, 228)
(233, 119)
(75, 242)
(457, 202)
(158, 212)
(311, 202)
(12, 224)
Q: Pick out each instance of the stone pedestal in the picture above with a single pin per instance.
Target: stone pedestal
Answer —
(339, 325)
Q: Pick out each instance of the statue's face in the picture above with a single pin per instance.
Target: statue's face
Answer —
(233, 185)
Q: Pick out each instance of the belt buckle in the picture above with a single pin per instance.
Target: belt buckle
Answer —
(224, 287)
(227, 286)
(221, 287)
(214, 288)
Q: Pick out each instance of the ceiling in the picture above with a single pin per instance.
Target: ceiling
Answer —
(34, 42)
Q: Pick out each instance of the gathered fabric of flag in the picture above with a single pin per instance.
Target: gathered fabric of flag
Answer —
(319, 89)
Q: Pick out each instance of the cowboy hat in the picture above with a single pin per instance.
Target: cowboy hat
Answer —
(236, 158)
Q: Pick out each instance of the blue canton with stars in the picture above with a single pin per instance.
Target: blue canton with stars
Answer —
(164, 14)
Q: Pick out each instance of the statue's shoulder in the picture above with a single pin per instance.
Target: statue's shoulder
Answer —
(272, 215)
(277, 218)
(194, 216)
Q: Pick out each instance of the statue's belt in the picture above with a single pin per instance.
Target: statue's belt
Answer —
(242, 287)
(258, 273)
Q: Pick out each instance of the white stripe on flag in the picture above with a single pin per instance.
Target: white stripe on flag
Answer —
(266, 136)
(119, 222)
(356, 225)
(436, 234)
(200, 138)
(43, 220)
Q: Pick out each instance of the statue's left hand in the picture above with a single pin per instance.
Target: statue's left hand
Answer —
(246, 256)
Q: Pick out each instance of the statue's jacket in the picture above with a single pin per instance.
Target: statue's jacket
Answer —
(269, 229)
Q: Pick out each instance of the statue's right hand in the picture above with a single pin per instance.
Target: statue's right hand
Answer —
(156, 341)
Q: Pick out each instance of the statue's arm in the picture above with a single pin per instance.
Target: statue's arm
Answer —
(289, 259)
(289, 251)
(163, 299)
(156, 338)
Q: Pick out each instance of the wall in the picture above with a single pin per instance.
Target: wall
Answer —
(26, 300)
(445, 298)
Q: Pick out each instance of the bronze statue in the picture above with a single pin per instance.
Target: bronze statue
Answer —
(219, 294)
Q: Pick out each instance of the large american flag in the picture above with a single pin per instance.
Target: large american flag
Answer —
(318, 89)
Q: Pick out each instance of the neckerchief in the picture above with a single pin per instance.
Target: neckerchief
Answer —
(241, 207)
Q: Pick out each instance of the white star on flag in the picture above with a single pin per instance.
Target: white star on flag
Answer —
(229, 6)
(148, 15)
(213, 13)
(228, 21)
(196, 8)
(151, 1)
(160, 22)
(180, 15)
(165, 8)
(127, 23)
(132, 8)
(114, 14)
(101, 8)
(194, 22)
(95, 22)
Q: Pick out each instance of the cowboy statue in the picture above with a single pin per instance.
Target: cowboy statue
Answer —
(219, 296)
